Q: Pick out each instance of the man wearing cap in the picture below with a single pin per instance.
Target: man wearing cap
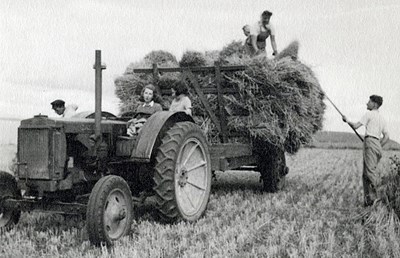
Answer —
(375, 127)
(259, 33)
(62, 110)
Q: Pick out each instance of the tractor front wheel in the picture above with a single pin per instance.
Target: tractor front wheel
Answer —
(109, 211)
(8, 189)
(182, 173)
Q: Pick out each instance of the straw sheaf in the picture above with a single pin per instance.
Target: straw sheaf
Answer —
(279, 101)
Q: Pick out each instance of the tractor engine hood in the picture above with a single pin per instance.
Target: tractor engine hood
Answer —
(74, 125)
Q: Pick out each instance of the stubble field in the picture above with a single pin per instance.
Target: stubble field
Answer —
(319, 214)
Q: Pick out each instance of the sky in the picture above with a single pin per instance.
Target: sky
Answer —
(48, 47)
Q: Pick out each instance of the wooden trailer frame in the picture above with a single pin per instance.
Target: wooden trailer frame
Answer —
(224, 155)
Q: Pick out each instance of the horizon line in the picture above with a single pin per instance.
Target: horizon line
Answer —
(11, 118)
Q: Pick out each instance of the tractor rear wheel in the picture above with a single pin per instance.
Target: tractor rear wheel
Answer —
(109, 211)
(182, 173)
(8, 189)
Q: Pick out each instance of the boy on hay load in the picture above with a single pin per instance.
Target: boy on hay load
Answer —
(247, 43)
(375, 126)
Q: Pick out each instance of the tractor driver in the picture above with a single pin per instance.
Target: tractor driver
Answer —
(260, 32)
(64, 111)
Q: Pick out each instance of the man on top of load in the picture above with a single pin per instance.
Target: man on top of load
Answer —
(259, 33)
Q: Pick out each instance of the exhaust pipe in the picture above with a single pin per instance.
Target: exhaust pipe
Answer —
(98, 93)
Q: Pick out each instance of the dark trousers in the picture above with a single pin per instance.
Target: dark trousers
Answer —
(372, 155)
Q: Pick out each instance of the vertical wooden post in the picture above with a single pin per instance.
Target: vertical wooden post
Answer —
(155, 78)
(155, 72)
(221, 103)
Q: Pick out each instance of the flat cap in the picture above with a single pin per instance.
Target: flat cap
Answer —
(58, 102)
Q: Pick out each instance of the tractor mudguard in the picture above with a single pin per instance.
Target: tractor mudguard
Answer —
(153, 130)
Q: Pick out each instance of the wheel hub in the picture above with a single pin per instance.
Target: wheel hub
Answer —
(121, 214)
(183, 177)
(117, 214)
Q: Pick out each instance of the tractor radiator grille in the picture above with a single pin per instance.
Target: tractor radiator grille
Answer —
(34, 146)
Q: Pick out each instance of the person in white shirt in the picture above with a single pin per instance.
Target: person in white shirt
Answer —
(375, 127)
(64, 111)
(181, 101)
(259, 33)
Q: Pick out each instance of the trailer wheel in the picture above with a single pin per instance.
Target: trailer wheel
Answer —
(109, 211)
(272, 166)
(8, 189)
(272, 179)
(182, 173)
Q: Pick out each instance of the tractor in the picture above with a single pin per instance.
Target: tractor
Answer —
(88, 165)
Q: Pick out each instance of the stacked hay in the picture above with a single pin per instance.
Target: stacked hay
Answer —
(128, 87)
(381, 221)
(291, 51)
(192, 58)
(389, 191)
(235, 49)
(284, 99)
(279, 101)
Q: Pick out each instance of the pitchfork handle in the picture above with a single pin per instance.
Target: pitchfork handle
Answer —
(359, 136)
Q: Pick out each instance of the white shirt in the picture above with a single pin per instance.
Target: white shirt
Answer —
(374, 124)
(150, 104)
(257, 28)
(70, 111)
(183, 103)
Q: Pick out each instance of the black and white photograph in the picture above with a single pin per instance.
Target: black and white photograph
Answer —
(215, 128)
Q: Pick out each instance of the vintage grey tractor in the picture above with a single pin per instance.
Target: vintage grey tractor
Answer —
(88, 165)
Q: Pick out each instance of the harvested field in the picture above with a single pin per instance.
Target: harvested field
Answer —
(343, 140)
(319, 214)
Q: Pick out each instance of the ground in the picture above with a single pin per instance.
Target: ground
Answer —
(318, 214)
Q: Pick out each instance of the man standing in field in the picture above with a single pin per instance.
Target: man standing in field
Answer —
(260, 32)
(375, 126)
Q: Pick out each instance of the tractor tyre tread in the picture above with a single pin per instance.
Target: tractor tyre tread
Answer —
(8, 182)
(164, 179)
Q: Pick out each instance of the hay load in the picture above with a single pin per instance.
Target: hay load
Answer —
(292, 51)
(284, 100)
(129, 86)
(280, 101)
(192, 58)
